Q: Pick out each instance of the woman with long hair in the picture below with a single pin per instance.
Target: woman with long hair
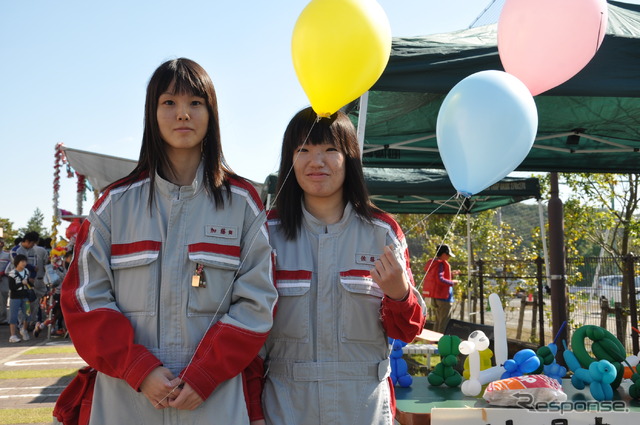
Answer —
(344, 284)
(170, 294)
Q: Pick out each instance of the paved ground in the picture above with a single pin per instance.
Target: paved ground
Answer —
(37, 392)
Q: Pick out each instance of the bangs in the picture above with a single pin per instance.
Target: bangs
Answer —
(182, 79)
(186, 83)
(321, 134)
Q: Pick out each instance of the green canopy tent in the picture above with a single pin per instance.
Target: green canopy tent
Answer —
(427, 191)
(591, 123)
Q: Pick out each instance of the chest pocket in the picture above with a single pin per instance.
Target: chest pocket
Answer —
(360, 308)
(135, 270)
(291, 322)
(220, 264)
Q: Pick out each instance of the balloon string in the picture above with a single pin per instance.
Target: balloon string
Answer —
(599, 31)
(215, 315)
(295, 158)
(426, 217)
(242, 262)
(446, 236)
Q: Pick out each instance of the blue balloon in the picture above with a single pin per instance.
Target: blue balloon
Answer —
(486, 127)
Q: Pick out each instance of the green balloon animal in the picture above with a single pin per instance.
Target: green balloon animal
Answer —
(444, 372)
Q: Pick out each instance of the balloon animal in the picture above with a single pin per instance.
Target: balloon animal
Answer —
(598, 376)
(399, 369)
(477, 342)
(604, 346)
(485, 362)
(548, 364)
(477, 377)
(634, 389)
(524, 362)
(444, 372)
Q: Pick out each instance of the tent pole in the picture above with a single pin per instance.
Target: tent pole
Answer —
(362, 120)
(543, 236)
(468, 265)
(558, 276)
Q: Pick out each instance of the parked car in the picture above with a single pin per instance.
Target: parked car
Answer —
(514, 287)
(611, 287)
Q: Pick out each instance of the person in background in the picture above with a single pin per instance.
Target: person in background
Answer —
(344, 284)
(5, 259)
(41, 259)
(19, 299)
(25, 246)
(170, 294)
(56, 320)
(438, 286)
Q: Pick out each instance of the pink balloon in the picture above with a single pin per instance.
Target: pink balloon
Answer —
(546, 42)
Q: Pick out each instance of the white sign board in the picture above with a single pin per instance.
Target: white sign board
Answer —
(574, 414)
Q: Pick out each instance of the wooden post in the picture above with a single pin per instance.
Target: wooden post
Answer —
(630, 260)
(620, 323)
(604, 312)
(533, 318)
(523, 304)
(539, 275)
(481, 287)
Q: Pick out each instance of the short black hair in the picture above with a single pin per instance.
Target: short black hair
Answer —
(32, 236)
(18, 258)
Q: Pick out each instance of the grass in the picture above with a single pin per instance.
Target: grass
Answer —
(30, 374)
(26, 416)
(60, 349)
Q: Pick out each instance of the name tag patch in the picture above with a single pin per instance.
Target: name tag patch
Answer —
(229, 232)
(368, 259)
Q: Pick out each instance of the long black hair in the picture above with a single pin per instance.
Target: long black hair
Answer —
(184, 76)
(338, 130)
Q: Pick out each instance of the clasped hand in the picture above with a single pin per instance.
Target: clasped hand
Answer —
(163, 389)
(390, 275)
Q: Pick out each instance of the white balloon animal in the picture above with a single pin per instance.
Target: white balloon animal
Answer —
(477, 342)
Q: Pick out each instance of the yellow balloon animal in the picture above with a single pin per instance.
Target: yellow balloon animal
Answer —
(485, 363)
(339, 50)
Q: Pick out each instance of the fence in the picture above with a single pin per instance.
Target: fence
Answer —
(594, 294)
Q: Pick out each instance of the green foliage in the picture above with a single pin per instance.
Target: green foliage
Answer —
(36, 223)
(600, 215)
(9, 233)
(494, 243)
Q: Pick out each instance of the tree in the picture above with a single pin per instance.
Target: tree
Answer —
(602, 209)
(36, 224)
(494, 243)
(9, 233)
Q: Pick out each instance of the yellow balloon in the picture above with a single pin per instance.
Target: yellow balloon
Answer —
(339, 50)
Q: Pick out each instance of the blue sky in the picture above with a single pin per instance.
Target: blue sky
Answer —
(76, 71)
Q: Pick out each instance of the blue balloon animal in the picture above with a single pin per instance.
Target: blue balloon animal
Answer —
(599, 376)
(399, 368)
(523, 362)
